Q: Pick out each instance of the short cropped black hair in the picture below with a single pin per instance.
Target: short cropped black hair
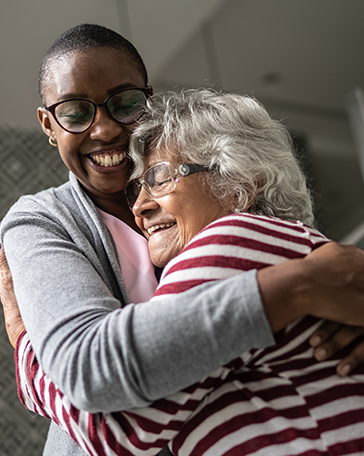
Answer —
(89, 36)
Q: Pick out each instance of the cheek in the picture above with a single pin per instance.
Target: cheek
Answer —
(139, 222)
(186, 233)
(69, 151)
(165, 245)
(190, 222)
(161, 253)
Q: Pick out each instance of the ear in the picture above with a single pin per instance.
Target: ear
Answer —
(252, 196)
(45, 121)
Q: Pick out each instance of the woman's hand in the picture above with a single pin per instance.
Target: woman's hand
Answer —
(328, 283)
(13, 321)
(331, 337)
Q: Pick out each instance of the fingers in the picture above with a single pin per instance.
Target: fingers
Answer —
(332, 337)
(6, 281)
(343, 337)
(324, 332)
(13, 321)
(353, 360)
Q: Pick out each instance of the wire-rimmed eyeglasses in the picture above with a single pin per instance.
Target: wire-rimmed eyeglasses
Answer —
(160, 179)
(77, 115)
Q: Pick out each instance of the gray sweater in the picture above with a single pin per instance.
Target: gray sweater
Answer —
(104, 353)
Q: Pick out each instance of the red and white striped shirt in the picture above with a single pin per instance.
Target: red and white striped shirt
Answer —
(273, 401)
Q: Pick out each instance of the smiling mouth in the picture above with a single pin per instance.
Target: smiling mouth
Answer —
(107, 160)
(155, 228)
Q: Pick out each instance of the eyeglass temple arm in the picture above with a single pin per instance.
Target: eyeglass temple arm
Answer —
(191, 168)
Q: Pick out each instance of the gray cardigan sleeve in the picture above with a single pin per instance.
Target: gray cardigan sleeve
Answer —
(105, 357)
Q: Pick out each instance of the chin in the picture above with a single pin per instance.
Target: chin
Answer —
(161, 260)
(159, 263)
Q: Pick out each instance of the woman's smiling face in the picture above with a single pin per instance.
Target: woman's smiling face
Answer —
(171, 221)
(93, 76)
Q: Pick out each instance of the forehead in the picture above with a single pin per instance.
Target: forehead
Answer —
(155, 156)
(90, 74)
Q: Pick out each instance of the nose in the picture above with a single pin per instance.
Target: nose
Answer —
(144, 204)
(105, 128)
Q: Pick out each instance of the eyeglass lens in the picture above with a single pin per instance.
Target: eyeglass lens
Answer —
(132, 192)
(77, 115)
(125, 107)
(159, 180)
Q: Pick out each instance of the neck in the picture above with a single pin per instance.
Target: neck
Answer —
(116, 205)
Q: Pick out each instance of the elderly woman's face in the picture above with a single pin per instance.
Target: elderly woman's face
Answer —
(97, 156)
(171, 221)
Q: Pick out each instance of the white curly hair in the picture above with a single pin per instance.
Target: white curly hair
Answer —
(250, 155)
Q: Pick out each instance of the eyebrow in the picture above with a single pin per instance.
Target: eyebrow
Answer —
(72, 96)
(84, 96)
(127, 85)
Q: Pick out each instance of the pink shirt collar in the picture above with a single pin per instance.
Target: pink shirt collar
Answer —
(137, 269)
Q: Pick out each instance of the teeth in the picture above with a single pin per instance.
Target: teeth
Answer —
(107, 160)
(158, 227)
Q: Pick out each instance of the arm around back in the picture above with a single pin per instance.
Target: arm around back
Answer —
(103, 354)
(328, 283)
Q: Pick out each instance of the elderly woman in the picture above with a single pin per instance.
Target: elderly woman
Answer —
(218, 191)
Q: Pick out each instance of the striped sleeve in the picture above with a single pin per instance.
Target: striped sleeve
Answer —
(139, 432)
(234, 244)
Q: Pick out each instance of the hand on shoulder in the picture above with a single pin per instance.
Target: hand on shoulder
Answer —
(13, 321)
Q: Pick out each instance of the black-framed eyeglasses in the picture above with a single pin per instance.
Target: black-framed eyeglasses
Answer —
(160, 179)
(77, 115)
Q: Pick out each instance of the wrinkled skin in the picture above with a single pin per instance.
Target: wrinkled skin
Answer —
(181, 214)
(13, 321)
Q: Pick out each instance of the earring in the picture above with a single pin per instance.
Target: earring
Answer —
(52, 141)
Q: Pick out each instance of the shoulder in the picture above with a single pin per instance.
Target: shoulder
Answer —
(237, 243)
(260, 224)
(240, 228)
(57, 208)
(46, 199)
